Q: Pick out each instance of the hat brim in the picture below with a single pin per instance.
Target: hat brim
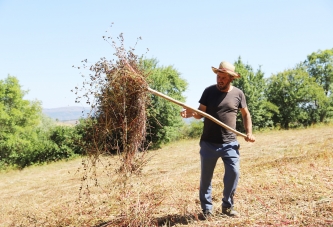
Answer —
(231, 73)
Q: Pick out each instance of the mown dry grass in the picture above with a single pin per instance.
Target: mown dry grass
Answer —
(286, 180)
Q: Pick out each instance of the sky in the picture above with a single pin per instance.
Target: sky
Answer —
(41, 40)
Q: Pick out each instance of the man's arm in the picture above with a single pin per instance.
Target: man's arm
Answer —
(247, 124)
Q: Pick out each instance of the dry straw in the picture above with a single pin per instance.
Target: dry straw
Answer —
(117, 93)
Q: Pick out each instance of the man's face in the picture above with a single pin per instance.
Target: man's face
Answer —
(223, 80)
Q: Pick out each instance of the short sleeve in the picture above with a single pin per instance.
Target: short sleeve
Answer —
(242, 103)
(204, 98)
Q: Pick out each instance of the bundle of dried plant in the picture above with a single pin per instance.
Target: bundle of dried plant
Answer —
(117, 93)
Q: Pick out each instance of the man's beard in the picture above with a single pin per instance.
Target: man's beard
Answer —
(222, 87)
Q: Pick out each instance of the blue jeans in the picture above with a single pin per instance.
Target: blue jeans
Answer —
(209, 154)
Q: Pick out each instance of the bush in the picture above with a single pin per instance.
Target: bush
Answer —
(37, 147)
(41, 145)
(35, 152)
(193, 130)
(66, 138)
(196, 128)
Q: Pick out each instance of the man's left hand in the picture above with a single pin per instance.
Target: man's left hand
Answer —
(250, 138)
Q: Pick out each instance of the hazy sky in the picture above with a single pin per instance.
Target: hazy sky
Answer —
(41, 40)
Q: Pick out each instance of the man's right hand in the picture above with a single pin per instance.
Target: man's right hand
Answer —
(186, 113)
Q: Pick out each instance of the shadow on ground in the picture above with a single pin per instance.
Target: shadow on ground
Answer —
(169, 221)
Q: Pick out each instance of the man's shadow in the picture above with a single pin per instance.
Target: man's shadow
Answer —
(175, 219)
(168, 220)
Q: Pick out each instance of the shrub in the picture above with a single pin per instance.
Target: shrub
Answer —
(192, 130)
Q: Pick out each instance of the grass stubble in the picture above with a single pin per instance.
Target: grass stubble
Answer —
(286, 180)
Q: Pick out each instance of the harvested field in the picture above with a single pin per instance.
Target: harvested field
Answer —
(286, 180)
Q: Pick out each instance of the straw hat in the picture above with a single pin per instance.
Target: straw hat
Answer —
(226, 67)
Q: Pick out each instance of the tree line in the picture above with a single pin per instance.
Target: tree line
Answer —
(296, 97)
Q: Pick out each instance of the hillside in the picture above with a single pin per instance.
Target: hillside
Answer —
(70, 113)
(286, 180)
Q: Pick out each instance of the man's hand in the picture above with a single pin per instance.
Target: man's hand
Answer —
(250, 138)
(187, 113)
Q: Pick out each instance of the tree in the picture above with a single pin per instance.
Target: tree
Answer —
(253, 85)
(164, 120)
(17, 116)
(297, 96)
(320, 67)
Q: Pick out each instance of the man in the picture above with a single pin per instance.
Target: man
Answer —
(221, 101)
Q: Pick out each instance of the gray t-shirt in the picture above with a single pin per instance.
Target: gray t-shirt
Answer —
(224, 107)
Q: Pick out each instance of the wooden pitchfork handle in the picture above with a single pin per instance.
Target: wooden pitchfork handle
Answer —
(198, 111)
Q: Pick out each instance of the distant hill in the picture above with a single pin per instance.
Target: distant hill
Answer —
(74, 113)
(70, 113)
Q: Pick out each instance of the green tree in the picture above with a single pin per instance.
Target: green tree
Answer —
(17, 116)
(320, 66)
(164, 120)
(27, 136)
(253, 85)
(297, 96)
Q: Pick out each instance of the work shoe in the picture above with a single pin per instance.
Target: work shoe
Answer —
(230, 212)
(207, 214)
